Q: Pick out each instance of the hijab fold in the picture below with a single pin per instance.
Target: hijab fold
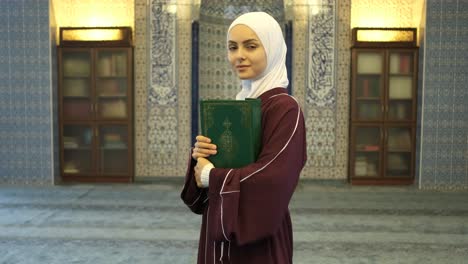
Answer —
(271, 36)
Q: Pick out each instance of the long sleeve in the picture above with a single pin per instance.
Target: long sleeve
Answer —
(249, 203)
(195, 198)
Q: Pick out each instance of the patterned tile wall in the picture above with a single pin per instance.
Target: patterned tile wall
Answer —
(162, 86)
(163, 99)
(444, 126)
(322, 86)
(26, 122)
(140, 62)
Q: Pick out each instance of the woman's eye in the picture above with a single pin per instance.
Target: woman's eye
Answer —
(252, 47)
(232, 47)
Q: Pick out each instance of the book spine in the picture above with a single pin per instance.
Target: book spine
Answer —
(404, 64)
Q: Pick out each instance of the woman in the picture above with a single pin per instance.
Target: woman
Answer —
(245, 211)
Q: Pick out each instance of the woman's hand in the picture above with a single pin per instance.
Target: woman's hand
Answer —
(203, 148)
(201, 162)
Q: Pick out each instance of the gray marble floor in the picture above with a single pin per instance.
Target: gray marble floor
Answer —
(147, 223)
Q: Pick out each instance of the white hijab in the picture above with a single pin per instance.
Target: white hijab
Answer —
(271, 36)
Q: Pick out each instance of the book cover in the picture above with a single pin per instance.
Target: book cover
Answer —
(234, 126)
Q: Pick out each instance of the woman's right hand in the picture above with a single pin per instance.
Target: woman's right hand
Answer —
(203, 148)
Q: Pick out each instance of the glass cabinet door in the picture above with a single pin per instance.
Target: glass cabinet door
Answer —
(112, 82)
(399, 151)
(113, 149)
(367, 151)
(77, 149)
(76, 85)
(400, 86)
(369, 86)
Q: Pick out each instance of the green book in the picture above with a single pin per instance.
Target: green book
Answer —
(234, 126)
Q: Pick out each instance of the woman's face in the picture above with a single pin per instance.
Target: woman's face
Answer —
(246, 53)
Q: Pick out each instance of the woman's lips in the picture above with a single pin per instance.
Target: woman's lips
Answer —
(240, 67)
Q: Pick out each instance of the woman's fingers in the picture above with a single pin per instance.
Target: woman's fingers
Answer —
(203, 148)
(203, 145)
(196, 155)
(201, 138)
(204, 151)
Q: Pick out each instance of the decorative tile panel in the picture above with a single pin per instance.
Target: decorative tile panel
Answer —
(216, 79)
(26, 124)
(163, 115)
(141, 88)
(162, 105)
(444, 126)
(342, 80)
(224, 12)
(184, 27)
(325, 107)
(321, 88)
(324, 85)
(321, 79)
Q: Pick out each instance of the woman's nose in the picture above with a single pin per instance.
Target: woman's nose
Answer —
(240, 55)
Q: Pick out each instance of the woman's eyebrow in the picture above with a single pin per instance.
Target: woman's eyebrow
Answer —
(244, 42)
(249, 40)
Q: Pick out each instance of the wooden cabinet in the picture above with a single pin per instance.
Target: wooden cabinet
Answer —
(383, 115)
(96, 114)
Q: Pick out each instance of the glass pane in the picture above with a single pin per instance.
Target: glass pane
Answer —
(398, 165)
(369, 63)
(400, 87)
(367, 159)
(401, 63)
(112, 98)
(367, 164)
(368, 86)
(77, 142)
(114, 149)
(368, 110)
(400, 109)
(76, 64)
(76, 87)
(399, 139)
(76, 108)
(368, 138)
(112, 64)
(110, 107)
(112, 87)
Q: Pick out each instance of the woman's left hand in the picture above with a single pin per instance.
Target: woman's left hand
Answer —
(201, 162)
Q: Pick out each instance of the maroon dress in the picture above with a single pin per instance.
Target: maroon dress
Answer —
(245, 211)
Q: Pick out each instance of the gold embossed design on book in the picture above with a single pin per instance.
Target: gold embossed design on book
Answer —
(225, 141)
